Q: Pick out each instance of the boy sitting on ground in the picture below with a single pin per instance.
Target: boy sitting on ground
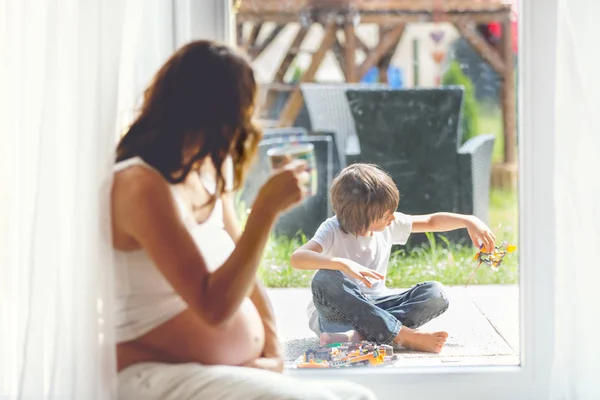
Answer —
(351, 253)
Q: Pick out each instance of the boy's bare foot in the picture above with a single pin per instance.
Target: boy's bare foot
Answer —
(421, 341)
(349, 336)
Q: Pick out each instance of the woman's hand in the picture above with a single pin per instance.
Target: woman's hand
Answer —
(272, 348)
(481, 234)
(274, 364)
(284, 189)
(355, 270)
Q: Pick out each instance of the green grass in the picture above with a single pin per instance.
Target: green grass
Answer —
(448, 263)
(489, 121)
(275, 269)
(445, 262)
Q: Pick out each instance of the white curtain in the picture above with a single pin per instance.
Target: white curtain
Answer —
(72, 74)
(577, 194)
(58, 112)
(148, 41)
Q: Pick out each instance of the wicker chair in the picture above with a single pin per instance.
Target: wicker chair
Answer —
(328, 111)
(415, 136)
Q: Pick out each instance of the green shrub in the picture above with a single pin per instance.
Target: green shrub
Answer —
(296, 74)
(455, 76)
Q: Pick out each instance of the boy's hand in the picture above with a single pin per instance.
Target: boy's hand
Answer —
(481, 234)
(357, 271)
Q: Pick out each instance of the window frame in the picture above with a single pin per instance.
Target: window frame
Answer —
(536, 86)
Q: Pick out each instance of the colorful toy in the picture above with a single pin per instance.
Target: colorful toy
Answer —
(494, 258)
(348, 354)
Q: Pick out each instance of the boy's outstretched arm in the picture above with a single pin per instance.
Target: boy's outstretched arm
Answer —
(443, 222)
(309, 257)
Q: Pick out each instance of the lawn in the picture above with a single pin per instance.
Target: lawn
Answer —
(448, 263)
(489, 121)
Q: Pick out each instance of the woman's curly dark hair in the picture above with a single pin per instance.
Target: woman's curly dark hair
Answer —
(202, 98)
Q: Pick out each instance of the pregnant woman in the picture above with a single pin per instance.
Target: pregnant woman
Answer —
(193, 322)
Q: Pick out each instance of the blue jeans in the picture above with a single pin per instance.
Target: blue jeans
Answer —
(342, 307)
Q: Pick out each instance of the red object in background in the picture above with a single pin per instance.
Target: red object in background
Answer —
(495, 29)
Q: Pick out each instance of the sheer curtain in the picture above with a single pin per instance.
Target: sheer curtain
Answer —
(72, 73)
(148, 40)
(577, 201)
(58, 91)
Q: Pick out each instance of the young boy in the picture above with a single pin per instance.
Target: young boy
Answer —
(351, 251)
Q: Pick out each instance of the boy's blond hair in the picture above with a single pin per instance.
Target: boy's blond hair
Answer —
(362, 194)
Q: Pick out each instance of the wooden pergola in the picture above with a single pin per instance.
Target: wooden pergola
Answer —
(391, 16)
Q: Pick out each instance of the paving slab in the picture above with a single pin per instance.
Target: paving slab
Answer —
(500, 305)
(472, 340)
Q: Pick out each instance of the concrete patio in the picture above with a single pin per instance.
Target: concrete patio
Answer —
(482, 321)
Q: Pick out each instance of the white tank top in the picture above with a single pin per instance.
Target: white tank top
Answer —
(144, 298)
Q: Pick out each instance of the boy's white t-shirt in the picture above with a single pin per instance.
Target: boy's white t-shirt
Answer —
(369, 251)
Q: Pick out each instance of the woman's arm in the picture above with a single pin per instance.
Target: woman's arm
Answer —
(443, 222)
(258, 296)
(144, 210)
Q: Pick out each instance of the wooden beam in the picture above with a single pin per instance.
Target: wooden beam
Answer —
(509, 107)
(485, 50)
(251, 41)
(255, 51)
(291, 54)
(475, 6)
(362, 46)
(381, 65)
(392, 17)
(285, 64)
(239, 32)
(385, 45)
(350, 52)
(338, 50)
(384, 63)
(278, 18)
(294, 103)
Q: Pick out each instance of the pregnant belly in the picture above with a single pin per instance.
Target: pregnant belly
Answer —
(186, 338)
(238, 341)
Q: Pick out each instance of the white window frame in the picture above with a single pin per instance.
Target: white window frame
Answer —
(203, 19)
(536, 76)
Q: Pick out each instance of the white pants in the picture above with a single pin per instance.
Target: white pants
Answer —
(160, 381)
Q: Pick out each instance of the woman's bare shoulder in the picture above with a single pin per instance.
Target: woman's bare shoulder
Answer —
(140, 193)
(138, 177)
